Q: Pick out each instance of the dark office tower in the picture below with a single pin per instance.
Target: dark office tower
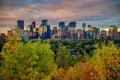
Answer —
(33, 24)
(61, 29)
(54, 31)
(62, 24)
(72, 24)
(20, 24)
(71, 29)
(97, 31)
(83, 26)
(45, 22)
(89, 26)
(48, 32)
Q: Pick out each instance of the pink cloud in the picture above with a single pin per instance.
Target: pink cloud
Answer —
(65, 10)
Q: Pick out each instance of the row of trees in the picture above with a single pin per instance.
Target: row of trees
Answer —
(80, 46)
(37, 61)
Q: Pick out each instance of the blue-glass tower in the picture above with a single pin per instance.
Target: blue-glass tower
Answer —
(83, 26)
(48, 32)
(45, 22)
(62, 24)
(20, 24)
(62, 27)
(72, 24)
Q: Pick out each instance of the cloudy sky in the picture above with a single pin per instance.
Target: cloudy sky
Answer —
(99, 13)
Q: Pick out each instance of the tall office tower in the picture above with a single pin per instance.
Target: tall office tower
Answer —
(71, 29)
(72, 26)
(78, 32)
(41, 29)
(97, 33)
(33, 24)
(44, 30)
(62, 24)
(89, 26)
(26, 35)
(112, 32)
(54, 30)
(91, 33)
(20, 24)
(103, 34)
(66, 32)
(83, 26)
(45, 22)
(48, 32)
(61, 29)
(29, 28)
(113, 28)
(94, 29)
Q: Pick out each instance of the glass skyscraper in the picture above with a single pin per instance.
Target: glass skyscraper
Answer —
(20, 24)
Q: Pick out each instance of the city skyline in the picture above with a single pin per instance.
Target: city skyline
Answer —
(62, 31)
(6, 28)
(98, 13)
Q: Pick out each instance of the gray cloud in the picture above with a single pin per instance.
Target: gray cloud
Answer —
(60, 10)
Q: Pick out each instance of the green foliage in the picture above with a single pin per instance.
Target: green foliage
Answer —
(104, 65)
(54, 60)
(33, 60)
(109, 56)
(8, 61)
(63, 57)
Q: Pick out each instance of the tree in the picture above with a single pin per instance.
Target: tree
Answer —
(8, 62)
(32, 60)
(110, 56)
(63, 57)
